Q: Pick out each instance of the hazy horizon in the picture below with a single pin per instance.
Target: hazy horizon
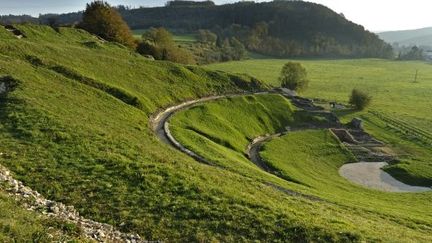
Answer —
(373, 15)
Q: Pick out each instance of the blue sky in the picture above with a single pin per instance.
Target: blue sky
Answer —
(375, 15)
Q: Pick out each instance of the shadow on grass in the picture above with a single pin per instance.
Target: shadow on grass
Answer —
(9, 108)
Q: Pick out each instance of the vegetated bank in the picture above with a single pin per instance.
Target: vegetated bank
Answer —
(307, 162)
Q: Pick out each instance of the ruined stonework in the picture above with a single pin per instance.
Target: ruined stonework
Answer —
(34, 201)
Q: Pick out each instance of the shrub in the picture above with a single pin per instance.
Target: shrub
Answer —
(360, 99)
(293, 76)
(101, 19)
(159, 43)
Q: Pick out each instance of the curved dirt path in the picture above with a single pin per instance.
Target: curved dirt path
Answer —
(160, 125)
(160, 122)
(371, 175)
(254, 148)
(368, 174)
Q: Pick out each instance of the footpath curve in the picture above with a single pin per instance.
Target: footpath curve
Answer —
(160, 125)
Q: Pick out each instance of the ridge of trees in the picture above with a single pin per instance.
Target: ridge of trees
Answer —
(278, 28)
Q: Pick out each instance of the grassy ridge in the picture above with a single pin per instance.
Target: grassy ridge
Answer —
(311, 158)
(222, 130)
(395, 96)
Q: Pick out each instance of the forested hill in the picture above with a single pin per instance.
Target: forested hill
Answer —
(278, 28)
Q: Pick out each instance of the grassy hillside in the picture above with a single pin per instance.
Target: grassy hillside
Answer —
(309, 162)
(409, 37)
(76, 129)
(219, 130)
(75, 126)
(401, 108)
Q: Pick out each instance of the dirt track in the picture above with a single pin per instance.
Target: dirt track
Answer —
(368, 174)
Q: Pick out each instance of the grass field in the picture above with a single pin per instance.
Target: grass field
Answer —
(76, 129)
(221, 130)
(401, 108)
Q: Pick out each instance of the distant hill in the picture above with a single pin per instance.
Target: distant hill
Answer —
(419, 37)
(278, 28)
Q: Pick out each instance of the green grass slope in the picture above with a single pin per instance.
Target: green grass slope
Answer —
(222, 130)
(310, 159)
(76, 128)
(19, 225)
(401, 108)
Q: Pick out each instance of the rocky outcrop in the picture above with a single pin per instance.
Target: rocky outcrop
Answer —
(36, 202)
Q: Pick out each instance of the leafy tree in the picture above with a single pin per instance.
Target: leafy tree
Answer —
(239, 50)
(159, 36)
(206, 36)
(414, 53)
(160, 43)
(101, 19)
(294, 76)
(360, 99)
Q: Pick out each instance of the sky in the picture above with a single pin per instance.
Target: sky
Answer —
(375, 15)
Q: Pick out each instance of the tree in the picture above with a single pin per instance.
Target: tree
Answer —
(414, 53)
(239, 50)
(160, 43)
(101, 19)
(159, 36)
(293, 76)
(206, 36)
(360, 99)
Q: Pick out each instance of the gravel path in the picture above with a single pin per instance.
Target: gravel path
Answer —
(371, 175)
(368, 174)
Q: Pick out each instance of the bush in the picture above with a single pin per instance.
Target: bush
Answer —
(293, 76)
(159, 43)
(101, 19)
(360, 99)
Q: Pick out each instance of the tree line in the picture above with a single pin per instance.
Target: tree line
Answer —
(278, 28)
